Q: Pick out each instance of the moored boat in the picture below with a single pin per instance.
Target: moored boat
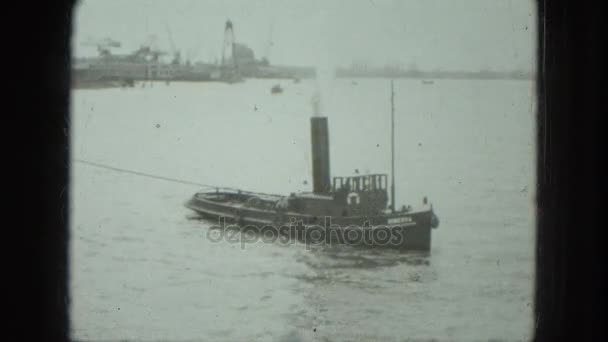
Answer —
(276, 89)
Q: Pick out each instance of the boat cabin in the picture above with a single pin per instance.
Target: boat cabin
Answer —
(363, 195)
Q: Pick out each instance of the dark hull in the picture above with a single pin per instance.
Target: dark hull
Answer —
(409, 230)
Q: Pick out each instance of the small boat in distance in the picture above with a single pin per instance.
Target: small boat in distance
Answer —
(276, 89)
(428, 82)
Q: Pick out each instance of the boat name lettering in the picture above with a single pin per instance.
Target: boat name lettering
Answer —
(399, 220)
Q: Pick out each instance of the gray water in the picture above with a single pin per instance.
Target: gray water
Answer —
(142, 269)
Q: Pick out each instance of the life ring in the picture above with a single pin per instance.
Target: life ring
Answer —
(353, 197)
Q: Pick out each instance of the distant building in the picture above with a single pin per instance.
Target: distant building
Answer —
(245, 60)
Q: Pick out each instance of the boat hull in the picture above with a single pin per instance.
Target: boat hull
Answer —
(405, 230)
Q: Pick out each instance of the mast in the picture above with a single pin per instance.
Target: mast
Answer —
(392, 148)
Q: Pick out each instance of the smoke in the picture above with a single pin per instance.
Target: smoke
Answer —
(322, 92)
(325, 63)
(316, 103)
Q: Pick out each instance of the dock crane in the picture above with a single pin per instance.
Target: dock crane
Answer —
(103, 45)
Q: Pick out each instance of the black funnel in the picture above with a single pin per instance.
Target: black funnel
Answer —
(319, 137)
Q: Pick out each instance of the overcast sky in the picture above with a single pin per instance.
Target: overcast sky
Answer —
(446, 34)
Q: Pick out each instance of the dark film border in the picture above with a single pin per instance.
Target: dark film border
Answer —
(570, 283)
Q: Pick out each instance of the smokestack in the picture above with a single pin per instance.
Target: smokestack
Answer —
(319, 137)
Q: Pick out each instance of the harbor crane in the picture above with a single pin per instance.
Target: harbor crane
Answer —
(103, 45)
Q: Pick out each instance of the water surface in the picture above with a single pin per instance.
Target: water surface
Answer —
(142, 270)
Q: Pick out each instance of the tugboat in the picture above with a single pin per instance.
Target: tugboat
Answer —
(351, 210)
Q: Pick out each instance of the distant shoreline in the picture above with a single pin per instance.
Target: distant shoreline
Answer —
(426, 75)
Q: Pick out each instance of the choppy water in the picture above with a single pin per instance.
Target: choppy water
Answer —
(141, 270)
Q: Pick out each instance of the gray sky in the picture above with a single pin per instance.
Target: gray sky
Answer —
(446, 34)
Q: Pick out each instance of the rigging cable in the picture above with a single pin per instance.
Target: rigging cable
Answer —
(168, 179)
(143, 174)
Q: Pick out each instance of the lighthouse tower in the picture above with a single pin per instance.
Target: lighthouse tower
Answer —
(228, 49)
